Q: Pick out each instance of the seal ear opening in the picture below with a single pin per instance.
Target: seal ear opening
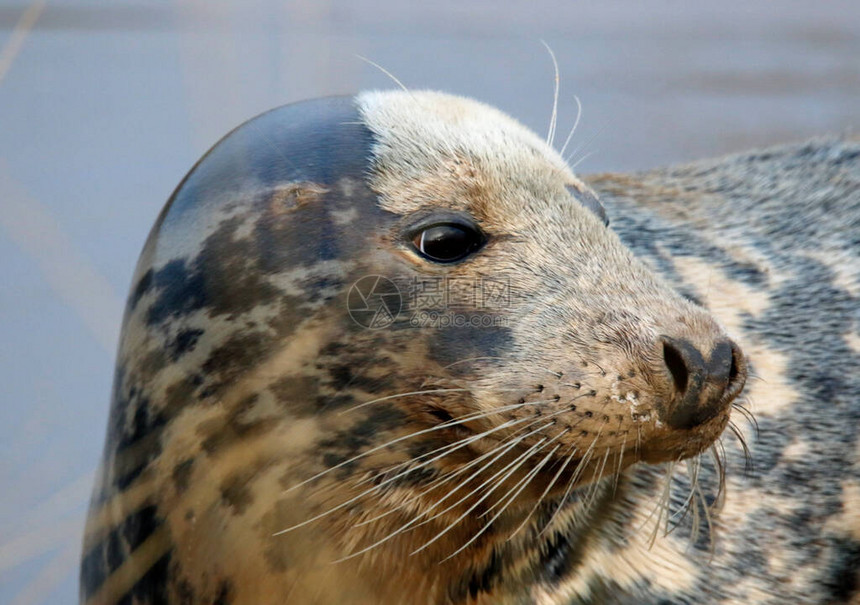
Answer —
(590, 201)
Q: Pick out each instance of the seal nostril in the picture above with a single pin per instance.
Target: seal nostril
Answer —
(677, 368)
(698, 384)
(737, 372)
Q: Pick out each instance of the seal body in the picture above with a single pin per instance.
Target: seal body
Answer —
(386, 349)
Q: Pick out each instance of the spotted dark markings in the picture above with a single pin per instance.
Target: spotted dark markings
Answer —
(455, 343)
(341, 376)
(235, 490)
(138, 526)
(661, 242)
(561, 551)
(806, 319)
(338, 400)
(153, 362)
(225, 593)
(181, 291)
(184, 342)
(806, 338)
(310, 233)
(152, 587)
(143, 418)
(842, 576)
(557, 560)
(182, 474)
(299, 395)
(143, 285)
(321, 141)
(345, 444)
(233, 358)
(95, 567)
(749, 274)
(181, 393)
(345, 375)
(230, 275)
(479, 579)
(125, 479)
(485, 579)
(106, 556)
(250, 176)
(226, 277)
(185, 593)
(413, 478)
(344, 367)
(220, 434)
(314, 288)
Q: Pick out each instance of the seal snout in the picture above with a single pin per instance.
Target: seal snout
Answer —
(702, 386)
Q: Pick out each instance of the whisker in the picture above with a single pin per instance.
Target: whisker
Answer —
(485, 483)
(466, 440)
(520, 460)
(486, 512)
(708, 521)
(554, 373)
(399, 395)
(445, 450)
(583, 463)
(595, 484)
(439, 481)
(661, 506)
(415, 521)
(575, 124)
(582, 159)
(748, 462)
(519, 488)
(386, 72)
(584, 144)
(721, 474)
(696, 488)
(550, 136)
(693, 465)
(444, 425)
(447, 477)
(748, 415)
(619, 469)
(568, 458)
(377, 488)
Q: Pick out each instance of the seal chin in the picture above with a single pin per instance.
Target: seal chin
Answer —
(673, 445)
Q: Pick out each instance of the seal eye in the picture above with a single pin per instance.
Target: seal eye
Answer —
(447, 243)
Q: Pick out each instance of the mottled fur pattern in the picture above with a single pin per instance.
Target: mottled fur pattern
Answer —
(264, 447)
(768, 241)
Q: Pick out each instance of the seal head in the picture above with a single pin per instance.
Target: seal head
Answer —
(369, 327)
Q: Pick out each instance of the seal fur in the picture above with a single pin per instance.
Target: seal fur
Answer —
(251, 415)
